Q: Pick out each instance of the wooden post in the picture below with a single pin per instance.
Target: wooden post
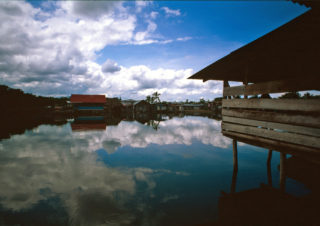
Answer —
(226, 84)
(235, 167)
(282, 172)
(245, 83)
(269, 168)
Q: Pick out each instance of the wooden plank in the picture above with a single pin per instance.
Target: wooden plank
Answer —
(280, 86)
(307, 153)
(294, 149)
(272, 125)
(275, 104)
(280, 117)
(271, 134)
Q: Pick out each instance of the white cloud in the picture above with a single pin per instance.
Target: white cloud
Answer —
(184, 38)
(154, 14)
(52, 51)
(171, 12)
(110, 66)
(140, 4)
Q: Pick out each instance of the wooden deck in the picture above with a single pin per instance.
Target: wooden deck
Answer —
(277, 124)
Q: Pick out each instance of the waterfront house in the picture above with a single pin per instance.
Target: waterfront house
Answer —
(173, 107)
(114, 105)
(141, 106)
(88, 103)
(284, 60)
(161, 107)
(127, 106)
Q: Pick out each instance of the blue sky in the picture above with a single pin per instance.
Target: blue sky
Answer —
(127, 49)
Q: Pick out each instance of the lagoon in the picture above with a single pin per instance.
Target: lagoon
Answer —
(175, 171)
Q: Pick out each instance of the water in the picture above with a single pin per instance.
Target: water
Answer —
(171, 172)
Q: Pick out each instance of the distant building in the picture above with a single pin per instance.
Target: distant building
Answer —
(173, 107)
(141, 106)
(88, 103)
(127, 105)
(160, 107)
(191, 107)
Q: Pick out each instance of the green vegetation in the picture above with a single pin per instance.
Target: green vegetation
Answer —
(154, 98)
(17, 99)
(297, 95)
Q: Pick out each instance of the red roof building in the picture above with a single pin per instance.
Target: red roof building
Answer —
(92, 99)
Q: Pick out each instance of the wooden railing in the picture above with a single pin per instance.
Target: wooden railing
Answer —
(278, 124)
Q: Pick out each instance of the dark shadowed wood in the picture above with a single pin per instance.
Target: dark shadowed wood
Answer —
(298, 150)
(288, 118)
(273, 125)
(289, 85)
(275, 104)
(271, 134)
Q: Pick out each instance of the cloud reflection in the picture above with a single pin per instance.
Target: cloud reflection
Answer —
(174, 131)
(64, 164)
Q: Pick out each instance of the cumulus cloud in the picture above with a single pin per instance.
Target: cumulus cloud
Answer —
(90, 9)
(52, 51)
(110, 66)
(171, 12)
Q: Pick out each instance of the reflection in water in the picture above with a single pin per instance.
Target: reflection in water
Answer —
(267, 205)
(130, 173)
(89, 123)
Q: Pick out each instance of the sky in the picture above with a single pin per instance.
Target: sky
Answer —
(127, 49)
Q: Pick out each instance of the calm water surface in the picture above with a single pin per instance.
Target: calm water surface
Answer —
(171, 172)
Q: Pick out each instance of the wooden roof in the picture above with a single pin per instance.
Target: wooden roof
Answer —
(290, 51)
(94, 99)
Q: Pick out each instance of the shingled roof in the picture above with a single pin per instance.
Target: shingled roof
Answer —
(290, 51)
(81, 98)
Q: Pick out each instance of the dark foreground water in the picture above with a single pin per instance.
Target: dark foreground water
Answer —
(175, 172)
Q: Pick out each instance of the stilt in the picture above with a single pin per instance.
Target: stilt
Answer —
(235, 167)
(269, 168)
(282, 172)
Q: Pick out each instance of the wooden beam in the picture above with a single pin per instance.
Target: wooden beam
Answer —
(280, 86)
(273, 125)
(287, 118)
(275, 104)
(271, 134)
(294, 149)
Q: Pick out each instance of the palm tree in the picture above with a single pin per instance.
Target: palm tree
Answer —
(155, 97)
(149, 99)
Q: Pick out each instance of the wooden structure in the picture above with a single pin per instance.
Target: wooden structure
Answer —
(141, 106)
(284, 60)
(268, 205)
(88, 103)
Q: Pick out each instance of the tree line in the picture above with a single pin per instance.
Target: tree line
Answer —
(16, 98)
